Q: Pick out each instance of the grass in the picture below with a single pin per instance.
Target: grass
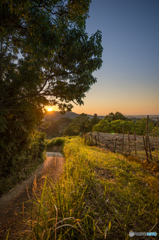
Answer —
(100, 195)
(55, 143)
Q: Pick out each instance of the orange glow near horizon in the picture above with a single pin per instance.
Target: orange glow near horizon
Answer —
(49, 109)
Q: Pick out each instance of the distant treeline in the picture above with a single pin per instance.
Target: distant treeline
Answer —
(113, 122)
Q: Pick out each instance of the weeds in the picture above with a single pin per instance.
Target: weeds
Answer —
(55, 142)
(99, 196)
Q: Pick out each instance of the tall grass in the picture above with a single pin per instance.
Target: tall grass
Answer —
(99, 196)
(59, 141)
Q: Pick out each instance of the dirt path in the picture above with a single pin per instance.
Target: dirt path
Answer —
(11, 203)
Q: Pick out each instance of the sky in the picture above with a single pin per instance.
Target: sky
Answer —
(128, 80)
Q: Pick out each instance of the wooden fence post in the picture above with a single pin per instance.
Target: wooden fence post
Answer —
(135, 143)
(147, 138)
(147, 125)
(129, 142)
(145, 149)
(123, 139)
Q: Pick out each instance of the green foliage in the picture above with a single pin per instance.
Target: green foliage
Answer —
(140, 126)
(95, 197)
(79, 124)
(17, 163)
(58, 57)
(155, 132)
(55, 142)
(94, 120)
(102, 126)
(117, 126)
(55, 128)
(52, 130)
(54, 67)
(117, 116)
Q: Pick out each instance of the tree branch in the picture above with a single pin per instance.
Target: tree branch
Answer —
(38, 93)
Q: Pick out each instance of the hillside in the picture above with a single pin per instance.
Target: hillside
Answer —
(55, 115)
(100, 195)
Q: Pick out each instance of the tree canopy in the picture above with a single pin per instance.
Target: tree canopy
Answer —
(81, 123)
(46, 58)
(117, 116)
(116, 126)
(57, 56)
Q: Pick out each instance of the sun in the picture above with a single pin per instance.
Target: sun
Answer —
(49, 109)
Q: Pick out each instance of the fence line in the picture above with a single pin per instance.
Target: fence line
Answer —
(143, 147)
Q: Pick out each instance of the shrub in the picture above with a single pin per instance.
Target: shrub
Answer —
(20, 164)
(55, 142)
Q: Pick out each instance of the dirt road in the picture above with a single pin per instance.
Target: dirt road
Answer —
(11, 203)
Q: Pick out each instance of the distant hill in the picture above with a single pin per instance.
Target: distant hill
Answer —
(55, 115)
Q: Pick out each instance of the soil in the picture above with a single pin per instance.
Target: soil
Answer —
(15, 204)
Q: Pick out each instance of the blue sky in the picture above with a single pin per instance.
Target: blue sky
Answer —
(128, 80)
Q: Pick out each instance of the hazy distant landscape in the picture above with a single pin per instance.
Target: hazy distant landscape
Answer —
(55, 115)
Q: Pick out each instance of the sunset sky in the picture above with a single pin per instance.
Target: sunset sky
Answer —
(128, 81)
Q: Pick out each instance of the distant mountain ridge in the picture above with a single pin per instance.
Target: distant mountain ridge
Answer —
(55, 115)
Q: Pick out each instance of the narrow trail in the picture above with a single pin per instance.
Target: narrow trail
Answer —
(11, 204)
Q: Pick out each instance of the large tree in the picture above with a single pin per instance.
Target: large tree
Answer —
(46, 58)
(57, 56)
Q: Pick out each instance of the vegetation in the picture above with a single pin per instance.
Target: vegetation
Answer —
(59, 141)
(100, 195)
(155, 131)
(117, 116)
(46, 58)
(81, 123)
(18, 166)
(109, 125)
(54, 128)
(43, 31)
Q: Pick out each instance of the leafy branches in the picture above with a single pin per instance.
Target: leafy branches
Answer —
(46, 58)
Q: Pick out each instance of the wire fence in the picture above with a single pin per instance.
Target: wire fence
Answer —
(143, 147)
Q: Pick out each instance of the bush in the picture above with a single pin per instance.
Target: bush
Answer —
(24, 161)
(55, 142)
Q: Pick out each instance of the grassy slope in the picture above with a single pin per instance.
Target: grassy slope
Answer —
(95, 189)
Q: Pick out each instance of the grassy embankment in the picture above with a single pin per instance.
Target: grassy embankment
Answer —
(101, 195)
